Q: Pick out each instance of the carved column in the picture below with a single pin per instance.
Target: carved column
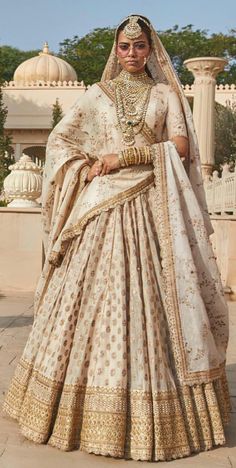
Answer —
(205, 70)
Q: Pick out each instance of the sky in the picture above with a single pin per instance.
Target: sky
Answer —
(27, 24)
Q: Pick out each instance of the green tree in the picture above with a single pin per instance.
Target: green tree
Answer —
(6, 151)
(88, 55)
(10, 58)
(57, 113)
(225, 136)
(184, 43)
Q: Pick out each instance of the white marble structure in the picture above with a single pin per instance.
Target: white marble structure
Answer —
(44, 67)
(29, 98)
(23, 185)
(221, 192)
(205, 70)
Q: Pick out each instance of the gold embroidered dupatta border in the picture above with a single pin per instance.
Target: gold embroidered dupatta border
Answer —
(169, 274)
(171, 303)
(55, 257)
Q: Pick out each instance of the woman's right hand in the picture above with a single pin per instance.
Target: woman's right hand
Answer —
(94, 170)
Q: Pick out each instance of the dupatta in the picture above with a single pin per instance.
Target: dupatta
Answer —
(191, 289)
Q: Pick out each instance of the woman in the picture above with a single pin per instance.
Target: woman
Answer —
(126, 356)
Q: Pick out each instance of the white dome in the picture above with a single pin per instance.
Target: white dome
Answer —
(44, 67)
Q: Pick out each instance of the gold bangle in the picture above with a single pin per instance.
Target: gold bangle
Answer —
(124, 158)
(139, 156)
(136, 155)
(121, 159)
(125, 153)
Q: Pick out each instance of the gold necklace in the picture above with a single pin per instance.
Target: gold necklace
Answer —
(132, 94)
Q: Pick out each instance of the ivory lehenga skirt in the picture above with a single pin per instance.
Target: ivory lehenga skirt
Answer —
(96, 372)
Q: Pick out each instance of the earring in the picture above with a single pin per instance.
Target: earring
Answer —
(145, 60)
(118, 59)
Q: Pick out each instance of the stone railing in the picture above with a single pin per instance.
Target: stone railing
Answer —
(40, 162)
(224, 94)
(44, 84)
(221, 192)
(221, 87)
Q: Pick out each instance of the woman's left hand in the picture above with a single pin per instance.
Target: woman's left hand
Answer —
(110, 163)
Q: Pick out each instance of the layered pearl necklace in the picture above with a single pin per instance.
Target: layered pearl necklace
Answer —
(132, 94)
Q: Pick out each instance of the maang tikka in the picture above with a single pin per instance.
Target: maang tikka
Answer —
(132, 30)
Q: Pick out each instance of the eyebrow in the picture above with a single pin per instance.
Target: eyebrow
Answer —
(135, 42)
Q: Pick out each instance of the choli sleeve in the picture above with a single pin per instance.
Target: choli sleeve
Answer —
(175, 122)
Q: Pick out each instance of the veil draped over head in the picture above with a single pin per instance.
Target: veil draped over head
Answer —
(162, 71)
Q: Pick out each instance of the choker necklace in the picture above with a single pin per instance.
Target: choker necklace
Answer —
(141, 77)
(132, 94)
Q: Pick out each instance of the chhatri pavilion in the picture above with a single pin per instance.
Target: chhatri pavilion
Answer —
(29, 98)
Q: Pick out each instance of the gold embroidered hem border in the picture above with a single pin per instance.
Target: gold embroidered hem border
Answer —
(115, 421)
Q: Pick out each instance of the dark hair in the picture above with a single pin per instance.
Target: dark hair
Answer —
(142, 21)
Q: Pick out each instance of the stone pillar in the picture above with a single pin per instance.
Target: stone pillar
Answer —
(18, 152)
(205, 70)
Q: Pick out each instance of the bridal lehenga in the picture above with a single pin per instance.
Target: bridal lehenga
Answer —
(126, 356)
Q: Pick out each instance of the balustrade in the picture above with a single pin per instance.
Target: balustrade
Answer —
(221, 191)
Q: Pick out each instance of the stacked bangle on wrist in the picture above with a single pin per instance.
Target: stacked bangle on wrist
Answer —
(135, 155)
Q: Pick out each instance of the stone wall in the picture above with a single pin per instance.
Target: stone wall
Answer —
(20, 249)
(223, 241)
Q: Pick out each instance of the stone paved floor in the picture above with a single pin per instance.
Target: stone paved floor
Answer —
(17, 452)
